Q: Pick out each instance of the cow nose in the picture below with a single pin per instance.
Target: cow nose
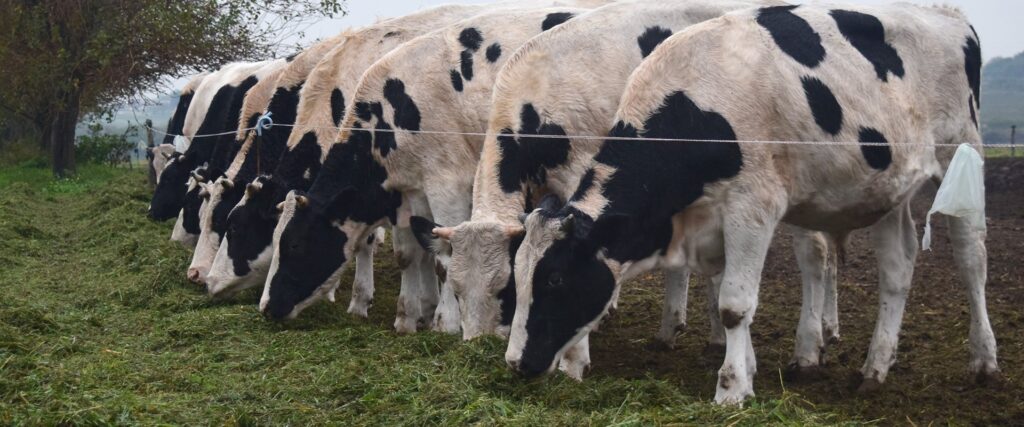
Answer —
(513, 364)
(195, 275)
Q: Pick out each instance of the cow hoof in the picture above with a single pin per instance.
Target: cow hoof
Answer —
(869, 386)
(404, 325)
(987, 378)
(802, 374)
(446, 325)
(358, 311)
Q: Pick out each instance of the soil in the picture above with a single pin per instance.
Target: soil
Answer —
(929, 381)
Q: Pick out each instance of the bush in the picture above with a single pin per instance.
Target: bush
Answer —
(100, 148)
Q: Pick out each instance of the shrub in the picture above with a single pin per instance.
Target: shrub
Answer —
(101, 148)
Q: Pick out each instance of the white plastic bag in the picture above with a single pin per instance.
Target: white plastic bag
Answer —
(962, 193)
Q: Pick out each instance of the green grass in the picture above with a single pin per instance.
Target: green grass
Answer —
(994, 152)
(98, 326)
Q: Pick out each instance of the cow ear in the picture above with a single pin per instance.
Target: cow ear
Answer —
(423, 229)
(251, 190)
(550, 203)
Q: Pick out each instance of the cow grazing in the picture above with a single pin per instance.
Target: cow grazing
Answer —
(206, 114)
(382, 171)
(245, 257)
(270, 94)
(161, 154)
(901, 75)
(566, 82)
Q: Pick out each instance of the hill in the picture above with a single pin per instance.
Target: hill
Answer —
(1002, 96)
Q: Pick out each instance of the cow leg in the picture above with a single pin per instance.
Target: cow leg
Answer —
(408, 253)
(449, 204)
(362, 285)
(896, 248)
(811, 251)
(673, 313)
(448, 316)
(716, 338)
(830, 316)
(748, 230)
(576, 359)
(971, 259)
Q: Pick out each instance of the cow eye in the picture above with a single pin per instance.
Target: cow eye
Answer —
(555, 280)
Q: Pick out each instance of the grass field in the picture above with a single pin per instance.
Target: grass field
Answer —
(98, 326)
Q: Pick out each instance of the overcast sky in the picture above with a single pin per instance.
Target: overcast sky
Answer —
(999, 22)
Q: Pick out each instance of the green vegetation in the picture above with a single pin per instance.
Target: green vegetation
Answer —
(98, 326)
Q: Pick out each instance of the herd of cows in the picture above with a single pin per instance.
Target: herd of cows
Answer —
(530, 157)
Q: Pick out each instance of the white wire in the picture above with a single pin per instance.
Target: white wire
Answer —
(582, 137)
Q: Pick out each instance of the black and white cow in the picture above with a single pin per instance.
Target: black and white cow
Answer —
(902, 75)
(206, 114)
(244, 257)
(568, 82)
(177, 120)
(384, 171)
(277, 92)
(224, 150)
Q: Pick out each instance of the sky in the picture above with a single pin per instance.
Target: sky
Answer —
(996, 20)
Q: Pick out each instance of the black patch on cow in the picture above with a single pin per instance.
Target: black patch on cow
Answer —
(471, 39)
(730, 319)
(972, 66)
(284, 107)
(878, 157)
(291, 172)
(793, 34)
(528, 158)
(824, 105)
(177, 121)
(651, 38)
(655, 180)
(456, 80)
(507, 295)
(974, 114)
(586, 183)
(866, 34)
(466, 64)
(423, 230)
(337, 106)
(407, 115)
(555, 19)
(291, 57)
(363, 111)
(493, 53)
(226, 147)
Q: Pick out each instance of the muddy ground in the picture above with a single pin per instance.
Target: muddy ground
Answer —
(929, 381)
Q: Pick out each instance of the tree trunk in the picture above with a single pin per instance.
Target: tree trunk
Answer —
(62, 137)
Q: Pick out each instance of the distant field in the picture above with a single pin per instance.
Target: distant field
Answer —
(1003, 151)
(99, 326)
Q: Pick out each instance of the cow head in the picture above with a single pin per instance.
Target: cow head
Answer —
(219, 198)
(478, 258)
(245, 253)
(564, 284)
(313, 242)
(172, 183)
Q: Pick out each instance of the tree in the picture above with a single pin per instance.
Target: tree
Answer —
(61, 59)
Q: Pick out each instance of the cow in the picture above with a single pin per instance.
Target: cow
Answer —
(257, 153)
(382, 169)
(896, 80)
(550, 88)
(213, 95)
(224, 150)
(245, 256)
(161, 154)
(177, 120)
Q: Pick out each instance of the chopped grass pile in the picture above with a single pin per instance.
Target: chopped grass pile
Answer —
(98, 325)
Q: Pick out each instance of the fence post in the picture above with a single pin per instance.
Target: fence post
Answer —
(1013, 141)
(149, 153)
